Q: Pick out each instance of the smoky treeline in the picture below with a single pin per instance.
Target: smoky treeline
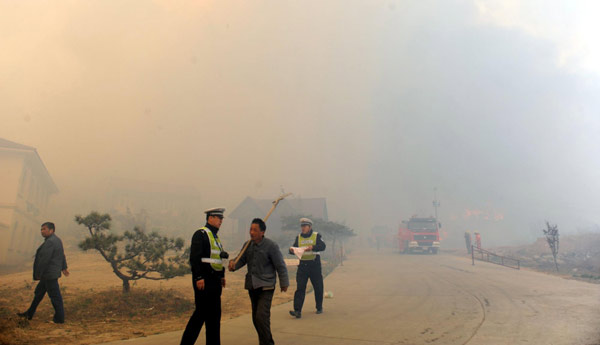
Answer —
(153, 111)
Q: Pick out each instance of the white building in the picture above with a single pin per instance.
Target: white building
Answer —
(25, 188)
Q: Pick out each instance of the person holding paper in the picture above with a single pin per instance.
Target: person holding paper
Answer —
(311, 243)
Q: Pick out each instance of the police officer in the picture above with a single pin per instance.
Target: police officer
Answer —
(208, 275)
(309, 267)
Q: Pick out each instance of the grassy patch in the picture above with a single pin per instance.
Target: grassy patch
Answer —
(586, 276)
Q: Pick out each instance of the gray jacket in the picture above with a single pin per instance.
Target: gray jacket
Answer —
(263, 260)
(49, 259)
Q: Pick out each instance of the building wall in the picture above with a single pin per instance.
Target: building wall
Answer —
(11, 170)
(24, 194)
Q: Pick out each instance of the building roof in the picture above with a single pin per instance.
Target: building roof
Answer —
(10, 145)
(250, 208)
(315, 207)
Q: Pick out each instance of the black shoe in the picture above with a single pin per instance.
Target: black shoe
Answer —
(24, 315)
(297, 314)
(319, 311)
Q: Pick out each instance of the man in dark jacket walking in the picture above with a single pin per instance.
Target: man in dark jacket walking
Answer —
(309, 267)
(49, 262)
(264, 259)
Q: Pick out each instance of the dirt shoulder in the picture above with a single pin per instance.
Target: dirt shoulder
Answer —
(96, 310)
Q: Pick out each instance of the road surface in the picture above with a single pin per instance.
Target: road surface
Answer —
(389, 298)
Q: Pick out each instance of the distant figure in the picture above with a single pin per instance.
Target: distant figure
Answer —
(478, 240)
(208, 277)
(264, 259)
(309, 267)
(468, 241)
(49, 262)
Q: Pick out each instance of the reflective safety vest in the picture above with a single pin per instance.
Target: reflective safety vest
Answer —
(308, 241)
(216, 248)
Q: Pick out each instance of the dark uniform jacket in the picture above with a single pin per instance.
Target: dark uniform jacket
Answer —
(319, 247)
(201, 249)
(49, 259)
(264, 259)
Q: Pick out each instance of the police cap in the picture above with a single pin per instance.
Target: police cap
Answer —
(217, 211)
(305, 221)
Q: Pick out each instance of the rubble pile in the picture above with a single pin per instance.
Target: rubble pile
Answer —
(578, 255)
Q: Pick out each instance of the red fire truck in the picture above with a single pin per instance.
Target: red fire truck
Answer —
(419, 235)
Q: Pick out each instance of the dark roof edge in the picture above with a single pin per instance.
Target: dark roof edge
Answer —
(50, 179)
(7, 144)
(12, 145)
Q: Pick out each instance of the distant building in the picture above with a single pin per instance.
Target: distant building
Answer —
(251, 208)
(25, 189)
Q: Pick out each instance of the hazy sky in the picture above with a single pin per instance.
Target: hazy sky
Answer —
(368, 103)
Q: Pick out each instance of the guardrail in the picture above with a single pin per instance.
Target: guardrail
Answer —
(493, 258)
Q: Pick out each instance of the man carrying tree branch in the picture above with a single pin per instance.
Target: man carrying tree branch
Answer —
(263, 259)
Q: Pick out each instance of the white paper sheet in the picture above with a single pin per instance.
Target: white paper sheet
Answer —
(299, 251)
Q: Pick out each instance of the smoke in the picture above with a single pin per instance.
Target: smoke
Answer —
(370, 104)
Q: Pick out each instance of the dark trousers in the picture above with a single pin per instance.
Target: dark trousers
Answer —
(261, 314)
(208, 310)
(51, 287)
(306, 270)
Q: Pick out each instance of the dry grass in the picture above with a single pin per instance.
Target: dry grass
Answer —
(96, 310)
(93, 316)
(578, 256)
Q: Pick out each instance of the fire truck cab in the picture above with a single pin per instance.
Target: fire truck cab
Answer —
(419, 235)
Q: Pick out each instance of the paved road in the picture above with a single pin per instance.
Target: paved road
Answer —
(388, 298)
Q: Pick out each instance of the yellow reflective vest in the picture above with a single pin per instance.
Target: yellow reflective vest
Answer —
(308, 241)
(216, 248)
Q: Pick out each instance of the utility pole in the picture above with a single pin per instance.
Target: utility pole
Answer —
(436, 204)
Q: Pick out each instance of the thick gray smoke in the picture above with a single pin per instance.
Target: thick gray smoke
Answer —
(369, 104)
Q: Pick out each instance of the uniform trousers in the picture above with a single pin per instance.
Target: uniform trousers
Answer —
(208, 310)
(51, 287)
(261, 314)
(308, 270)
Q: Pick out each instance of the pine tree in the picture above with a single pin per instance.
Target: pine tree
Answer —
(135, 254)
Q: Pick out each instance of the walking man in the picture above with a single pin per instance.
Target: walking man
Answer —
(208, 277)
(49, 262)
(309, 267)
(263, 259)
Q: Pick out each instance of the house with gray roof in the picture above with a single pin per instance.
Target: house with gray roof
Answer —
(251, 208)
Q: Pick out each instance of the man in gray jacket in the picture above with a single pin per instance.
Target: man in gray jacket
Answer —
(263, 259)
(49, 262)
